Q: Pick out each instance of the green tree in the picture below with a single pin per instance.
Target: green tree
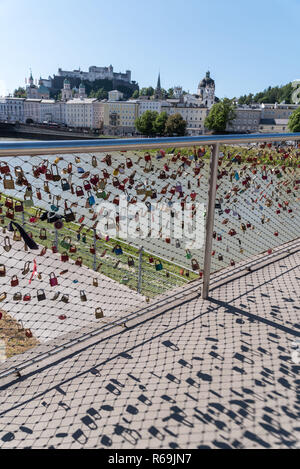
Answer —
(164, 93)
(220, 115)
(145, 123)
(272, 95)
(101, 93)
(147, 91)
(135, 94)
(294, 121)
(175, 126)
(171, 93)
(20, 93)
(159, 124)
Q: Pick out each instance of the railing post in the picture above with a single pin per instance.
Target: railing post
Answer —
(210, 217)
(95, 253)
(140, 276)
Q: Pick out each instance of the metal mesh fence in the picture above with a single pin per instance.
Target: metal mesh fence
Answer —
(257, 202)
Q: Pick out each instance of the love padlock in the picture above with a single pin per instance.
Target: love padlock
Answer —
(14, 281)
(118, 250)
(83, 295)
(41, 295)
(99, 313)
(95, 282)
(53, 280)
(65, 185)
(69, 215)
(64, 257)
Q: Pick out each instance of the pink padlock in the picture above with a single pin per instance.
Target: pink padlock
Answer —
(53, 280)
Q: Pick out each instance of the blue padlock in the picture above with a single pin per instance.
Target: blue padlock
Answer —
(91, 199)
(118, 250)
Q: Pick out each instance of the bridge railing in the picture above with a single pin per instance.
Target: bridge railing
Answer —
(94, 229)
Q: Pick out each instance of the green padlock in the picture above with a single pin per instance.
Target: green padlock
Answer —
(66, 242)
(28, 202)
(101, 195)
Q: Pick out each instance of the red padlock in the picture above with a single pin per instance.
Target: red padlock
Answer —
(4, 168)
(53, 280)
(87, 186)
(129, 163)
(14, 281)
(79, 191)
(64, 257)
(19, 206)
(94, 180)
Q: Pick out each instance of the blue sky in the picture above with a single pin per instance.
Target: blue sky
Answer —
(246, 45)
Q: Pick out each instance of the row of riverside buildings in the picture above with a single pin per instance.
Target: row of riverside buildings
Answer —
(113, 116)
(116, 116)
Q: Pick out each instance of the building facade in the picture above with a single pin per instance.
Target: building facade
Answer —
(247, 120)
(147, 104)
(32, 111)
(37, 92)
(277, 111)
(96, 73)
(263, 118)
(66, 92)
(115, 95)
(52, 111)
(193, 115)
(206, 91)
(119, 117)
(79, 113)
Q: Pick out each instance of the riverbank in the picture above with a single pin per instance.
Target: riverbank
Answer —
(42, 133)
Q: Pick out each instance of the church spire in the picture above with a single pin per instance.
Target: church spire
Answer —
(158, 88)
(31, 78)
